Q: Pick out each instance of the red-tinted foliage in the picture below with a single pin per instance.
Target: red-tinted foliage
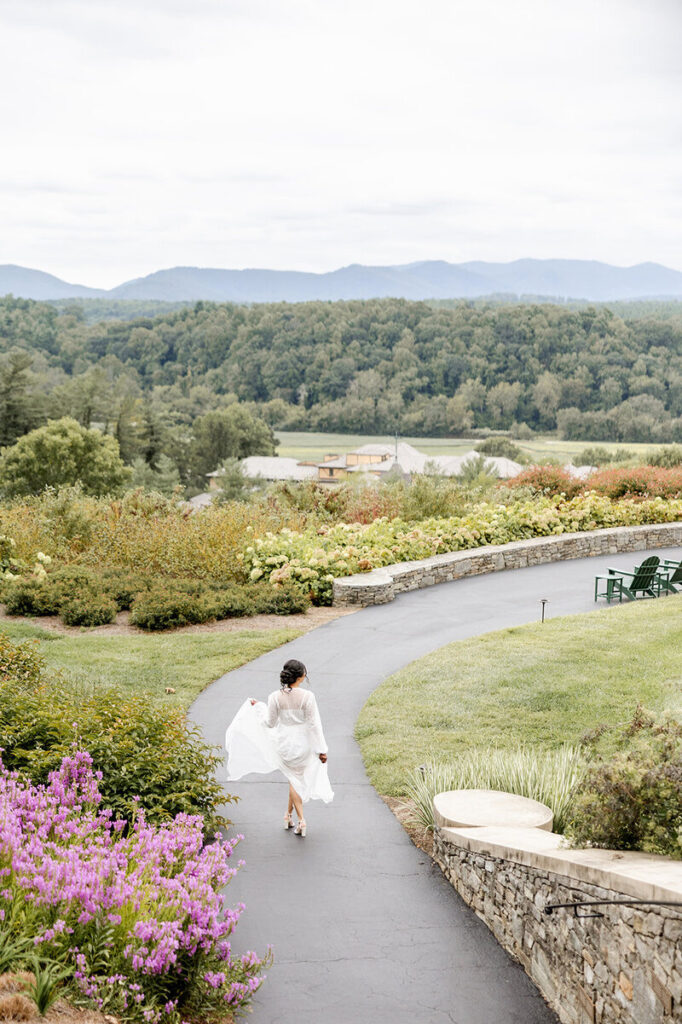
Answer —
(629, 482)
(547, 480)
(637, 482)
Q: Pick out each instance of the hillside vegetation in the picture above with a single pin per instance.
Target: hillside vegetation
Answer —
(374, 366)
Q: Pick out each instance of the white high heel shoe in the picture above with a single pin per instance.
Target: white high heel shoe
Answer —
(300, 829)
(288, 823)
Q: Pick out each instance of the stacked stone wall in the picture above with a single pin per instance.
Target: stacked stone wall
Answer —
(381, 585)
(622, 968)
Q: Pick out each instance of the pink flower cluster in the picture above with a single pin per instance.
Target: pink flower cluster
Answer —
(153, 893)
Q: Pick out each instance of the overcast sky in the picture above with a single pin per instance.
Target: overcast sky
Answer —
(308, 134)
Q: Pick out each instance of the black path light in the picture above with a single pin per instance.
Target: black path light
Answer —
(543, 601)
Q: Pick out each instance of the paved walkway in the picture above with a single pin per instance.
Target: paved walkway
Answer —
(365, 929)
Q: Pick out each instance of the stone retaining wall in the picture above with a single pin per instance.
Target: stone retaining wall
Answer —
(622, 968)
(381, 585)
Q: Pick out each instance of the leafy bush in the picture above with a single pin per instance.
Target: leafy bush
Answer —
(123, 586)
(140, 533)
(92, 609)
(550, 777)
(501, 447)
(80, 594)
(638, 482)
(668, 458)
(235, 602)
(285, 599)
(547, 480)
(20, 662)
(598, 455)
(187, 602)
(31, 597)
(151, 756)
(354, 501)
(627, 482)
(311, 559)
(134, 924)
(632, 799)
(163, 607)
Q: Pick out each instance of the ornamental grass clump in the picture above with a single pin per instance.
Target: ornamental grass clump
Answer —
(548, 776)
(135, 923)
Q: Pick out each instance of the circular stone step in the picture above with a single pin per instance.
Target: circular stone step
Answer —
(471, 808)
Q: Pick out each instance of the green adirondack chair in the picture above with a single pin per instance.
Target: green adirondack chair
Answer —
(670, 576)
(643, 582)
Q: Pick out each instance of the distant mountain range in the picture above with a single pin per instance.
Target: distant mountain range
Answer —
(432, 279)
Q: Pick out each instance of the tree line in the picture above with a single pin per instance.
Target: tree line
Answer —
(361, 366)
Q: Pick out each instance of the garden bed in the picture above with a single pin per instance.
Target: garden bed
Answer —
(315, 616)
(22, 1009)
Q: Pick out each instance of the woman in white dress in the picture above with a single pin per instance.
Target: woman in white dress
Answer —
(285, 734)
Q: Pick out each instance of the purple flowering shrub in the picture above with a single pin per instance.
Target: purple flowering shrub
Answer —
(138, 917)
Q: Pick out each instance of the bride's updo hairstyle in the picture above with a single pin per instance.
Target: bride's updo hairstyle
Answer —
(291, 671)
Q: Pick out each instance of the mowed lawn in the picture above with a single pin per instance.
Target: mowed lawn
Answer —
(541, 684)
(186, 662)
(309, 445)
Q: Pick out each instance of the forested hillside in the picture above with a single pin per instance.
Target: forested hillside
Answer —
(374, 366)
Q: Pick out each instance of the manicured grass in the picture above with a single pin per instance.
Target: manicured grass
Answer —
(187, 662)
(541, 684)
(302, 445)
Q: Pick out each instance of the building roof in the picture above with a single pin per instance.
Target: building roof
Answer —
(276, 467)
(374, 449)
(409, 460)
(202, 500)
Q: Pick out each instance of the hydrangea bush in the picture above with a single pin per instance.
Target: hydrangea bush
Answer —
(138, 918)
(312, 558)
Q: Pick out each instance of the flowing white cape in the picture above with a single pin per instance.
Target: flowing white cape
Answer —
(252, 747)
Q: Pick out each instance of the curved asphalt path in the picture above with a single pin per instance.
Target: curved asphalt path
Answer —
(365, 929)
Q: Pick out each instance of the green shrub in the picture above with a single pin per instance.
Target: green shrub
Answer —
(632, 799)
(165, 607)
(194, 588)
(145, 748)
(32, 597)
(286, 599)
(668, 458)
(598, 455)
(70, 580)
(235, 602)
(123, 586)
(20, 663)
(92, 609)
(501, 447)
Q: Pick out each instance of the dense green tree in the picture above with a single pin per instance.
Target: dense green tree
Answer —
(164, 479)
(379, 365)
(228, 433)
(19, 409)
(59, 454)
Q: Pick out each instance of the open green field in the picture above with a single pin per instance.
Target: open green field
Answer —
(543, 684)
(301, 445)
(187, 662)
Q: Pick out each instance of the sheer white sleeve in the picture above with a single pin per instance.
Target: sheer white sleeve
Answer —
(314, 723)
(272, 711)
